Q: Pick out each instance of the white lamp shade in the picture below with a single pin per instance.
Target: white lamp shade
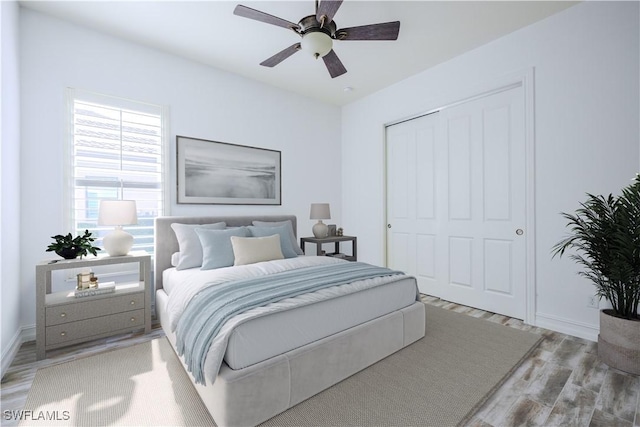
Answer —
(317, 43)
(320, 211)
(117, 212)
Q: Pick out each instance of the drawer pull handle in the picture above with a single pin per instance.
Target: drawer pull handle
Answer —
(63, 314)
(132, 303)
(63, 334)
(133, 319)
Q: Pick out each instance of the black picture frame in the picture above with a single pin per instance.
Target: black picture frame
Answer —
(220, 173)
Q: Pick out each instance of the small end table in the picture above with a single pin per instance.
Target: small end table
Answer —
(333, 239)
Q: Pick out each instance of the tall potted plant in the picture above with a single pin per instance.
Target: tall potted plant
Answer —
(605, 233)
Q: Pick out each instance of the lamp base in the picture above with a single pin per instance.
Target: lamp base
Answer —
(118, 243)
(320, 230)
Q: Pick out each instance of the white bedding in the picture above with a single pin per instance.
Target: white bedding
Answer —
(244, 340)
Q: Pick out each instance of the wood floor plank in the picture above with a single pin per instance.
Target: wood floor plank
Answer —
(548, 385)
(574, 406)
(530, 369)
(589, 373)
(568, 354)
(619, 395)
(526, 412)
(500, 404)
(551, 341)
(602, 419)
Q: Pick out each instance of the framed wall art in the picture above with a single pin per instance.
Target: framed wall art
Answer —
(211, 172)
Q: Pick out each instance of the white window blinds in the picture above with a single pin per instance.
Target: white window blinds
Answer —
(117, 150)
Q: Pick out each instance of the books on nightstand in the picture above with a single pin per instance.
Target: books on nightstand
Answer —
(103, 288)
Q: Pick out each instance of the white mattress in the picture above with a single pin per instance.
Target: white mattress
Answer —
(262, 338)
(276, 333)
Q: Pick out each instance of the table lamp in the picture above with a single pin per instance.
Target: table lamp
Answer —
(118, 213)
(320, 211)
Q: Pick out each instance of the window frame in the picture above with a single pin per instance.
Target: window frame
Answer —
(72, 95)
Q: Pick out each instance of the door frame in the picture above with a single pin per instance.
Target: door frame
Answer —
(524, 79)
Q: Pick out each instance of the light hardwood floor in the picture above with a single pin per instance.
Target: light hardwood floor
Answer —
(561, 383)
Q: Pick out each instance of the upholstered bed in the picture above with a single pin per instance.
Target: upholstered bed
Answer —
(283, 353)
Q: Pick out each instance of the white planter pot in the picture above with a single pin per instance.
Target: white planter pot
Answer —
(619, 343)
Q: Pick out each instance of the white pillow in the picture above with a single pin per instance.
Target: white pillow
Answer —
(292, 235)
(175, 259)
(249, 250)
(190, 247)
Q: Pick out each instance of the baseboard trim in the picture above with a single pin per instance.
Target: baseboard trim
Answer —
(28, 333)
(22, 335)
(11, 351)
(567, 326)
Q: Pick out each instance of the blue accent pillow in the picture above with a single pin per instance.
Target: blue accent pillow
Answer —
(285, 238)
(190, 247)
(217, 251)
(289, 224)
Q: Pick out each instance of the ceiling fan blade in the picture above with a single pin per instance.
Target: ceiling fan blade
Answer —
(281, 56)
(384, 31)
(334, 65)
(327, 10)
(247, 12)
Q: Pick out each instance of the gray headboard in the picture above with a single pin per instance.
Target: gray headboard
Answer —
(166, 243)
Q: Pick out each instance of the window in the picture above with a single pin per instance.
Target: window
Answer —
(117, 150)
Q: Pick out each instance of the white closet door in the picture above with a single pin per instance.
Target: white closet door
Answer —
(456, 202)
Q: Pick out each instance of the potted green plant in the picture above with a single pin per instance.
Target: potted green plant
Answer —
(69, 247)
(605, 234)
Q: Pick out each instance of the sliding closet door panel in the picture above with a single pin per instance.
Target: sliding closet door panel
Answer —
(496, 159)
(425, 173)
(411, 171)
(498, 266)
(459, 213)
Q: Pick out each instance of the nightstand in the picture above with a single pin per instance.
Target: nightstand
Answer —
(336, 240)
(62, 319)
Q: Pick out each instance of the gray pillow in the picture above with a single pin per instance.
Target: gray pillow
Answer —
(217, 251)
(292, 235)
(190, 247)
(282, 230)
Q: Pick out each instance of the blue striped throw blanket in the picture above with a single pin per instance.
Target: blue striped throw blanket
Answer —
(212, 307)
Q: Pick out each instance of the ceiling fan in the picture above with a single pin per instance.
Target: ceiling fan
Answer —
(318, 33)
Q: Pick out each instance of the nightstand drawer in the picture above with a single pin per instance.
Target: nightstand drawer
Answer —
(86, 328)
(80, 310)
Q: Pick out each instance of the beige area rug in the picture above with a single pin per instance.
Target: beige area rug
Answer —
(441, 380)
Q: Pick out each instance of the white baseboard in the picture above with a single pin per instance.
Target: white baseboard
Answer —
(10, 353)
(22, 335)
(567, 326)
(28, 333)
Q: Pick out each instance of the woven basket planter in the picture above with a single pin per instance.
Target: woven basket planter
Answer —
(619, 342)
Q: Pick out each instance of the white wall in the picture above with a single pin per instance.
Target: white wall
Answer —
(9, 182)
(204, 103)
(587, 111)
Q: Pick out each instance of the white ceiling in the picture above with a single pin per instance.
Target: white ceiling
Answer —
(431, 32)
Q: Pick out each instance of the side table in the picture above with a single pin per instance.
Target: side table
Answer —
(336, 240)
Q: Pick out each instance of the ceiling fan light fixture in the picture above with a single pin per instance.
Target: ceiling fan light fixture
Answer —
(317, 43)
